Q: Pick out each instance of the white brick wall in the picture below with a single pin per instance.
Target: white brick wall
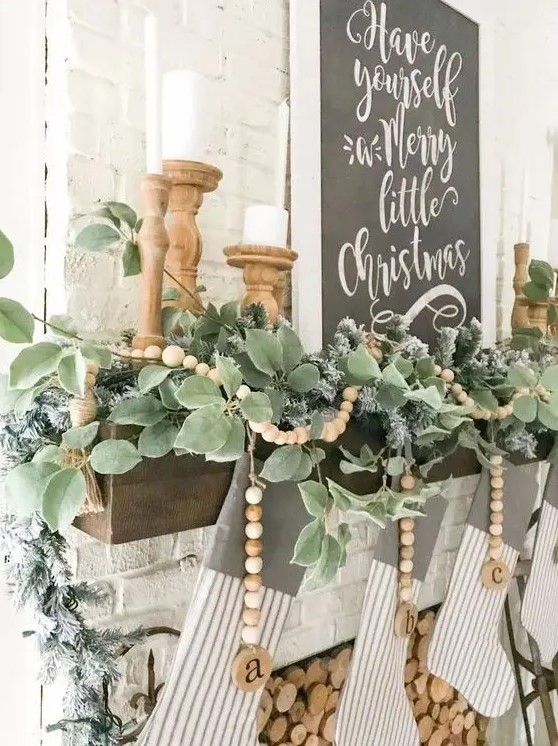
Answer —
(96, 140)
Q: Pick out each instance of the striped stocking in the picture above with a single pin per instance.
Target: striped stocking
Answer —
(538, 612)
(465, 649)
(200, 705)
(375, 710)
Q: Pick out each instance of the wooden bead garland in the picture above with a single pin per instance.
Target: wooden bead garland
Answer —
(495, 573)
(407, 613)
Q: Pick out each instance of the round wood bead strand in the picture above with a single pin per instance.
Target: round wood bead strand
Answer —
(495, 573)
(253, 565)
(406, 617)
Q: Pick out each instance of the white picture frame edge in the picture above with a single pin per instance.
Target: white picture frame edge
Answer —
(306, 207)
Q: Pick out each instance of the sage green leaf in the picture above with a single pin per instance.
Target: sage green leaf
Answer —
(24, 486)
(97, 237)
(304, 469)
(283, 464)
(264, 350)
(389, 396)
(81, 437)
(438, 384)
(167, 392)
(230, 374)
(277, 399)
(253, 377)
(549, 378)
(520, 375)
(291, 346)
(430, 396)
(485, 399)
(309, 544)
(145, 410)
(71, 373)
(171, 293)
(542, 274)
(114, 457)
(33, 363)
(152, 376)
(205, 430)
(327, 566)
(171, 319)
(405, 367)
(199, 391)
(393, 377)
(375, 511)
(96, 353)
(131, 259)
(26, 398)
(229, 313)
(123, 212)
(362, 367)
(525, 408)
(342, 497)
(234, 447)
(63, 324)
(535, 293)
(256, 407)
(49, 454)
(157, 440)
(63, 498)
(304, 378)
(316, 426)
(344, 538)
(16, 323)
(425, 367)
(396, 466)
(547, 416)
(314, 497)
(104, 212)
(6, 256)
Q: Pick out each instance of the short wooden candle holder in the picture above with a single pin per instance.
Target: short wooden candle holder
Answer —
(190, 182)
(520, 313)
(153, 243)
(262, 267)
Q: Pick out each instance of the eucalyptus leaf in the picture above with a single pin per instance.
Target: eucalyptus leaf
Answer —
(230, 374)
(253, 377)
(393, 377)
(344, 538)
(485, 399)
(50, 454)
(426, 367)
(26, 398)
(405, 367)
(304, 469)
(199, 391)
(327, 566)
(157, 440)
(131, 259)
(170, 319)
(97, 237)
(234, 446)
(309, 544)
(542, 274)
(71, 373)
(63, 324)
(152, 376)
(33, 363)
(362, 367)
(520, 375)
(316, 426)
(167, 392)
(282, 464)
(123, 212)
(96, 353)
(171, 293)
(6, 256)
(205, 430)
(277, 400)
(304, 378)
(16, 323)
(81, 437)
(342, 497)
(547, 416)
(430, 396)
(535, 293)
(256, 407)
(264, 350)
(315, 497)
(525, 408)
(229, 313)
(390, 396)
(291, 346)
(114, 457)
(63, 498)
(145, 410)
(24, 486)
(549, 378)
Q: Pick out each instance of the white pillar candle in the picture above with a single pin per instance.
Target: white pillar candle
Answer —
(185, 116)
(154, 162)
(266, 225)
(523, 214)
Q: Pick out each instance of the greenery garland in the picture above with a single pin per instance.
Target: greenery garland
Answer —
(409, 397)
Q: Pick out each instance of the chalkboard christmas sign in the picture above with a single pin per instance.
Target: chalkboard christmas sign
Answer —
(399, 134)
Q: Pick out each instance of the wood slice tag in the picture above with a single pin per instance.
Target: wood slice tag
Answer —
(251, 669)
(495, 575)
(406, 620)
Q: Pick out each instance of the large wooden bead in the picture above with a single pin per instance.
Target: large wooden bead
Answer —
(329, 433)
(253, 583)
(437, 370)
(496, 529)
(251, 617)
(407, 538)
(497, 460)
(496, 471)
(214, 376)
(90, 379)
(496, 506)
(343, 415)
(406, 566)
(254, 530)
(258, 427)
(94, 368)
(201, 369)
(347, 406)
(456, 389)
(497, 494)
(407, 553)
(497, 518)
(350, 394)
(406, 524)
(153, 352)
(253, 547)
(280, 438)
(495, 541)
(250, 635)
(340, 425)
(405, 581)
(253, 565)
(253, 513)
(447, 375)
(291, 438)
(495, 553)
(252, 599)
(408, 482)
(243, 392)
(301, 435)
(137, 354)
(406, 594)
(462, 397)
(497, 483)
(270, 433)
(253, 495)
(252, 666)
(190, 362)
(173, 356)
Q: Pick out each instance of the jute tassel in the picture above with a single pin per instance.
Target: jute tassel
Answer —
(83, 412)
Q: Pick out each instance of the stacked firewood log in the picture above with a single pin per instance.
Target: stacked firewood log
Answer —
(299, 703)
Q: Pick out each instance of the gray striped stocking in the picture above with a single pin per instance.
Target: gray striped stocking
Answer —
(465, 649)
(538, 612)
(200, 705)
(374, 709)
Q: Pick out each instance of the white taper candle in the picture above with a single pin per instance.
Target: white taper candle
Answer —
(153, 154)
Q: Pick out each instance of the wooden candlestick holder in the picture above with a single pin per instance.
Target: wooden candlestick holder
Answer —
(190, 181)
(153, 241)
(262, 267)
(520, 313)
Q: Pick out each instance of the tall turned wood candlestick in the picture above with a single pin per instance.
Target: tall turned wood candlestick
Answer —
(262, 266)
(190, 181)
(153, 243)
(520, 315)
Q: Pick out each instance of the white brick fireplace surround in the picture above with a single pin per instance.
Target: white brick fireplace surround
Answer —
(96, 150)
